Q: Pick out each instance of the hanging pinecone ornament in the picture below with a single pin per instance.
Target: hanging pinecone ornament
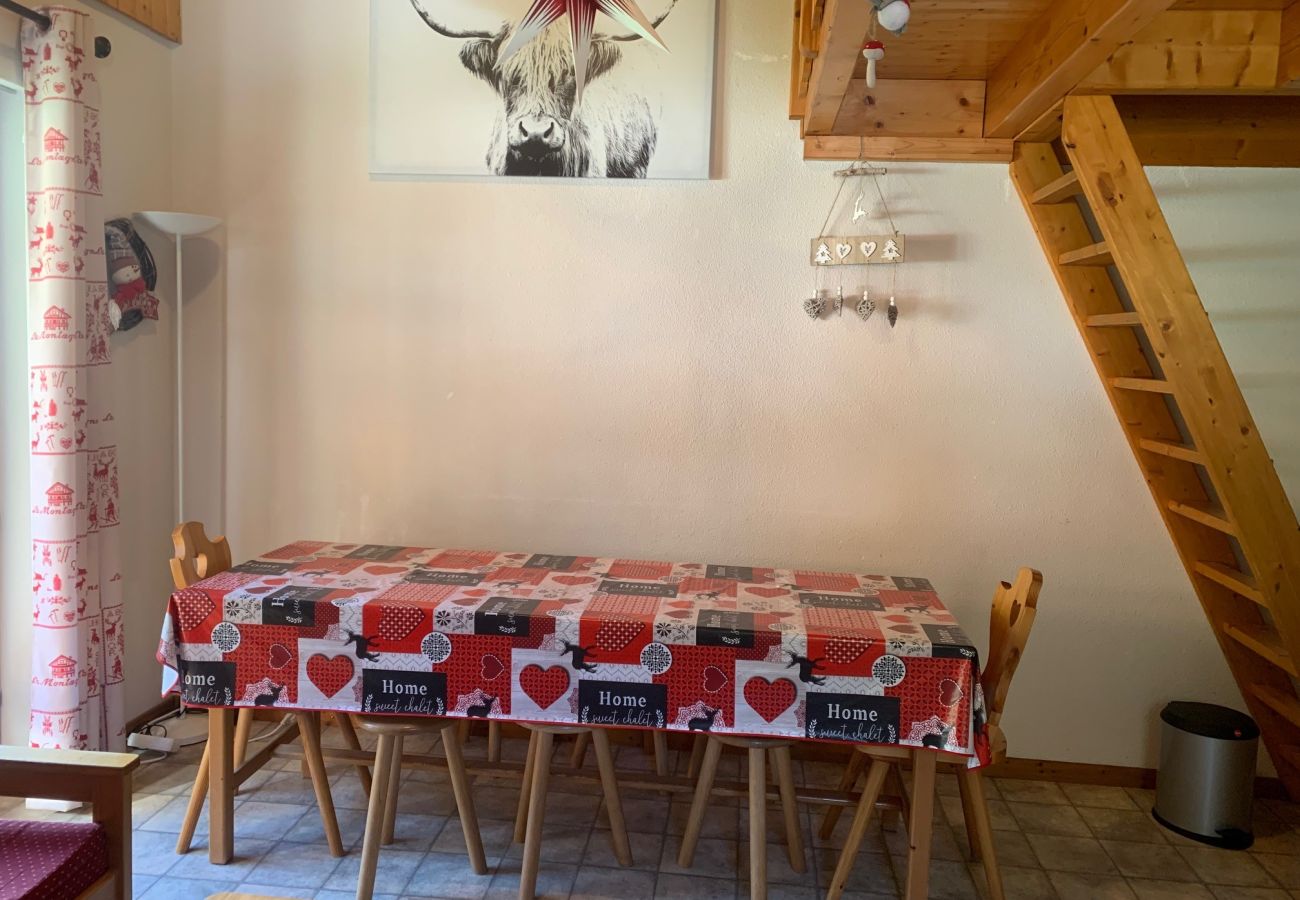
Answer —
(866, 307)
(892, 312)
(814, 306)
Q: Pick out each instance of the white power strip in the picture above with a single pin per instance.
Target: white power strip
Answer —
(152, 742)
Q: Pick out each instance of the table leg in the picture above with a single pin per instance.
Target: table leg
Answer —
(757, 825)
(221, 784)
(536, 815)
(919, 830)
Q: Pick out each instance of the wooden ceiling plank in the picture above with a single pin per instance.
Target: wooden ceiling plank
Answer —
(1210, 50)
(160, 16)
(1059, 50)
(912, 108)
(907, 149)
(843, 30)
(1288, 64)
(1214, 131)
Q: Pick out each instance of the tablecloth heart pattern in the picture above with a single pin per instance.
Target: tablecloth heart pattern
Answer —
(579, 640)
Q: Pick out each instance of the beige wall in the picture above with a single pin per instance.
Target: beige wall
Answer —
(135, 83)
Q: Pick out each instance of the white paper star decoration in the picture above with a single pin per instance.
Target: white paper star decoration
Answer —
(582, 22)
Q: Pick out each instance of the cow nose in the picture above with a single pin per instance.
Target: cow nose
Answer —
(541, 132)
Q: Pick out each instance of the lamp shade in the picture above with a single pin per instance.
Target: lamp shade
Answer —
(179, 223)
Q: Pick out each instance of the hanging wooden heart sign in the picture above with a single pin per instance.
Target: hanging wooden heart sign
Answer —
(858, 250)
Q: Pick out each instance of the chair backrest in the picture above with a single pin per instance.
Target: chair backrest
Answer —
(1014, 608)
(196, 557)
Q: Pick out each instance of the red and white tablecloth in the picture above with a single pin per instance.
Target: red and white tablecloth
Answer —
(578, 640)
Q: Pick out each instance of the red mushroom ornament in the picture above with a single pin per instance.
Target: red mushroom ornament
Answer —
(873, 52)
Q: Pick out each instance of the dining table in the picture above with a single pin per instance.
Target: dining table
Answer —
(540, 638)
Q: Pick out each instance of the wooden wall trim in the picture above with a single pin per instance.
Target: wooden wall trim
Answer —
(160, 16)
(1214, 131)
(909, 149)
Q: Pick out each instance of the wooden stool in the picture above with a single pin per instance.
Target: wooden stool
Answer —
(381, 815)
(532, 798)
(780, 751)
(655, 742)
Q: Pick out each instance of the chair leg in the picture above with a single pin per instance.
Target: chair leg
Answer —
(354, 743)
(660, 739)
(613, 804)
(979, 813)
(525, 788)
(757, 824)
(462, 731)
(968, 813)
(536, 815)
(394, 779)
(578, 757)
(857, 761)
(243, 725)
(375, 812)
(198, 794)
(309, 729)
(703, 787)
(697, 756)
(494, 742)
(894, 784)
(790, 806)
(921, 826)
(464, 801)
(861, 819)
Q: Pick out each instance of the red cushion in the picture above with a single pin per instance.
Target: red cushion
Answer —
(50, 860)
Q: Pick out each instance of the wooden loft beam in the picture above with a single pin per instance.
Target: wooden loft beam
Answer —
(1214, 131)
(1194, 50)
(901, 108)
(843, 29)
(160, 16)
(1058, 51)
(907, 149)
(1288, 64)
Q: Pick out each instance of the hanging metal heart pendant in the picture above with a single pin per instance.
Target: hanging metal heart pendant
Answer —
(866, 307)
(814, 306)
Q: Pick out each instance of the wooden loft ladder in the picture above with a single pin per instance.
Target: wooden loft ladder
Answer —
(1178, 402)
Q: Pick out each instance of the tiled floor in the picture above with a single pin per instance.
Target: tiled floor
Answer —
(1055, 841)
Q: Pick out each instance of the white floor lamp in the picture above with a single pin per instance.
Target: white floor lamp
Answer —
(180, 226)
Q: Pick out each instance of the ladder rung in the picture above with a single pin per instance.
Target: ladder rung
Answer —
(1107, 320)
(1286, 707)
(1172, 450)
(1203, 514)
(1238, 582)
(1153, 385)
(1092, 255)
(1260, 640)
(1060, 190)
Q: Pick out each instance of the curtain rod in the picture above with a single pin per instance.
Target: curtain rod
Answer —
(39, 18)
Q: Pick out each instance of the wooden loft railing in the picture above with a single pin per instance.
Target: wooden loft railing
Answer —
(1177, 401)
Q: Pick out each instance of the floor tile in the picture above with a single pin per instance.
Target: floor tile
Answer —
(498, 838)
(1285, 869)
(1228, 892)
(259, 819)
(391, 876)
(445, 875)
(182, 889)
(560, 842)
(1122, 825)
(153, 852)
(719, 821)
(1031, 791)
(686, 887)
(714, 858)
(1147, 889)
(948, 880)
(1081, 886)
(1018, 883)
(1045, 818)
(779, 870)
(248, 853)
(1098, 796)
(646, 850)
(294, 865)
(602, 883)
(872, 872)
(139, 883)
(1226, 867)
(554, 881)
(640, 814)
(1158, 861)
(1071, 854)
(164, 778)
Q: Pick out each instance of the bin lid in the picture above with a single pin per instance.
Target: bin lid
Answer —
(1208, 720)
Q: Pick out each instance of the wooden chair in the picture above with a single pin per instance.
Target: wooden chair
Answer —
(381, 815)
(530, 817)
(101, 779)
(757, 748)
(1014, 609)
(197, 557)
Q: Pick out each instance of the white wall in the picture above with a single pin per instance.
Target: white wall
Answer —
(135, 83)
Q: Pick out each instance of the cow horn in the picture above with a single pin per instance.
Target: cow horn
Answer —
(636, 37)
(468, 35)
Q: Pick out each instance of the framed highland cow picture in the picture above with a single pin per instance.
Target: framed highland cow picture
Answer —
(542, 88)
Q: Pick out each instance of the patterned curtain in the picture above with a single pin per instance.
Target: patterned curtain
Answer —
(77, 646)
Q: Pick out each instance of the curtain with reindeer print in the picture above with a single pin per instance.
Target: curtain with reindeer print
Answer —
(77, 647)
